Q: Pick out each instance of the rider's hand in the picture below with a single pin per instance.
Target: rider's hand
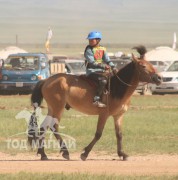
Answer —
(104, 66)
(107, 67)
(114, 70)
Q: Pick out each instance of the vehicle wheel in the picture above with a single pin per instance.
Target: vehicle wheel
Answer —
(153, 93)
(157, 93)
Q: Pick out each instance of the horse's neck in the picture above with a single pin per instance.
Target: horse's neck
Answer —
(134, 83)
(125, 82)
(134, 80)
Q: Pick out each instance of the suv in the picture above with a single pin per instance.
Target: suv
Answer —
(67, 65)
(120, 62)
(75, 66)
(22, 71)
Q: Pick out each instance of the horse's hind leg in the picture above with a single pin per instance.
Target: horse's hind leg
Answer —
(52, 123)
(43, 128)
(56, 109)
(54, 129)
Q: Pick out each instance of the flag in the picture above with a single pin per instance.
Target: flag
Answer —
(48, 38)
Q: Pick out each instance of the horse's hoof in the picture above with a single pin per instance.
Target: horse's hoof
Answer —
(83, 157)
(45, 158)
(66, 156)
(125, 157)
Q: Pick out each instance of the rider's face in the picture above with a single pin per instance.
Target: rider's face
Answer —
(93, 42)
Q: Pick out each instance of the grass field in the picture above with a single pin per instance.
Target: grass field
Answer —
(78, 176)
(149, 127)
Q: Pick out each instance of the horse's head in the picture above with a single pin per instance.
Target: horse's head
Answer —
(146, 71)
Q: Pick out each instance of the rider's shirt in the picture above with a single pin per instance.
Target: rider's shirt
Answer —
(95, 56)
(98, 53)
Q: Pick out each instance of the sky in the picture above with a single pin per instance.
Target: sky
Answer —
(120, 21)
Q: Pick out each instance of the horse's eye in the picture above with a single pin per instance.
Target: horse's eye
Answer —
(143, 65)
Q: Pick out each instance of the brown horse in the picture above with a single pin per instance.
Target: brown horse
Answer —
(62, 89)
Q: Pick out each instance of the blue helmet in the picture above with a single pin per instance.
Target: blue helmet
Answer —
(94, 35)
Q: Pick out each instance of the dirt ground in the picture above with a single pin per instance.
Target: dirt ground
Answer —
(96, 164)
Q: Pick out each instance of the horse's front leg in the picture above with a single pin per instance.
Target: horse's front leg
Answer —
(118, 124)
(98, 134)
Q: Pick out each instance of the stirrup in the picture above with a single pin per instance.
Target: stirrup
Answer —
(106, 92)
(99, 104)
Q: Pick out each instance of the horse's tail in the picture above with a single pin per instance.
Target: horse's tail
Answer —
(37, 96)
(36, 100)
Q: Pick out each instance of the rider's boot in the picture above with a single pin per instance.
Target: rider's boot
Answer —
(97, 102)
(97, 98)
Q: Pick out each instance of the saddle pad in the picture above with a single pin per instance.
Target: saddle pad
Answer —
(88, 80)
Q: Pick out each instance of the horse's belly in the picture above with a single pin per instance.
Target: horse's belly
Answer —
(82, 101)
(83, 106)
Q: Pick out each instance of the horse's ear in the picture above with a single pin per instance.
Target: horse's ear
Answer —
(134, 59)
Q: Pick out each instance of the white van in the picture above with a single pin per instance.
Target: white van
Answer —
(170, 81)
(160, 65)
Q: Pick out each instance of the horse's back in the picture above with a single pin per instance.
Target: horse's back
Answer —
(67, 81)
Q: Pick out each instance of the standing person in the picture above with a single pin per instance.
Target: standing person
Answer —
(97, 62)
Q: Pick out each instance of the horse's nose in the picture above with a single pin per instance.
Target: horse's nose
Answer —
(157, 79)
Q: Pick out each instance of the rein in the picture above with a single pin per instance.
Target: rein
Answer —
(127, 84)
(123, 81)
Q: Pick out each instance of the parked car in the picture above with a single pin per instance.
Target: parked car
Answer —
(57, 58)
(68, 65)
(119, 62)
(75, 66)
(160, 65)
(170, 81)
(22, 71)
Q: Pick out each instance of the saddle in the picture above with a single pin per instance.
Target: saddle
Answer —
(91, 82)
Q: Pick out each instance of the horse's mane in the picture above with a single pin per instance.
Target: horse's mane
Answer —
(118, 88)
(141, 50)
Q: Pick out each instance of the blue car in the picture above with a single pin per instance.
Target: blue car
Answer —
(22, 71)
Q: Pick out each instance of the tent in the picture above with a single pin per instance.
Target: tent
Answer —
(162, 53)
(10, 50)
